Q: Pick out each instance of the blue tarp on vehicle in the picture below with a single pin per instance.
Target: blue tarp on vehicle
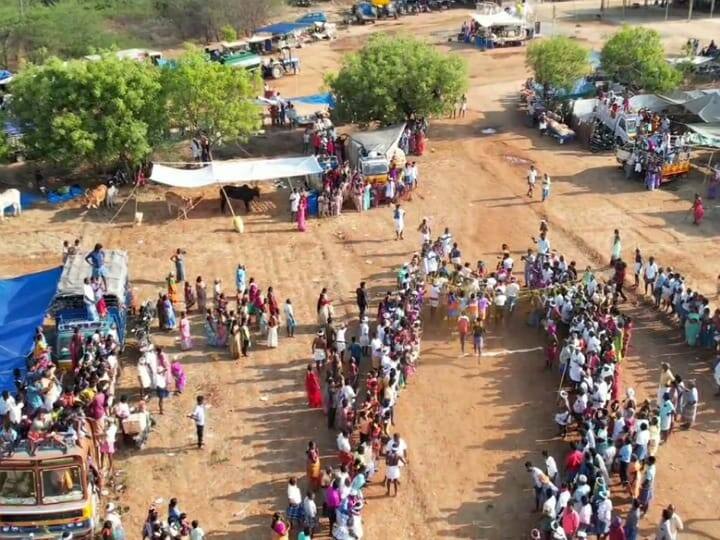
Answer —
(24, 302)
(283, 28)
(312, 17)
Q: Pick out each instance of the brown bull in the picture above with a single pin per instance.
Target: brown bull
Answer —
(182, 204)
(94, 198)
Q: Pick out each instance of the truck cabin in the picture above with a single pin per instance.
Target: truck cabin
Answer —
(69, 308)
(48, 492)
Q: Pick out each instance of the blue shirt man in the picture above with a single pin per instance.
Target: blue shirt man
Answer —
(96, 259)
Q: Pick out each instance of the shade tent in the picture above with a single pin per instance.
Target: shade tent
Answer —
(325, 99)
(24, 302)
(497, 19)
(705, 134)
(706, 107)
(235, 171)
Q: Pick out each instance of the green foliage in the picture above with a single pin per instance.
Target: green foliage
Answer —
(89, 112)
(228, 33)
(391, 78)
(6, 148)
(634, 56)
(68, 29)
(207, 19)
(209, 97)
(558, 62)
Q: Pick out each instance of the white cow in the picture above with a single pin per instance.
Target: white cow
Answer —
(111, 197)
(10, 197)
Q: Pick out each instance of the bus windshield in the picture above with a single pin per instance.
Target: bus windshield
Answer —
(62, 485)
(17, 487)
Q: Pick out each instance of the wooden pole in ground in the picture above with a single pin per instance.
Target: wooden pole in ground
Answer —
(132, 194)
(690, 9)
(667, 9)
(712, 8)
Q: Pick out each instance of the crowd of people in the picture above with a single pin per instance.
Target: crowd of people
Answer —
(359, 404)
(176, 526)
(611, 432)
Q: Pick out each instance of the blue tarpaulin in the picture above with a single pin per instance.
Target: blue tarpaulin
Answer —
(24, 301)
(4, 74)
(283, 28)
(326, 98)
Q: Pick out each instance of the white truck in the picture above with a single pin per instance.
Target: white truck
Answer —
(623, 125)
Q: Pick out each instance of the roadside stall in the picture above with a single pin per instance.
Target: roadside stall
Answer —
(499, 30)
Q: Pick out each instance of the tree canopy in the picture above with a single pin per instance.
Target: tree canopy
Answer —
(207, 96)
(558, 62)
(89, 112)
(634, 56)
(391, 78)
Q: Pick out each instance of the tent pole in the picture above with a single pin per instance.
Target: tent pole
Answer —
(690, 9)
(227, 200)
(132, 194)
(667, 9)
(712, 8)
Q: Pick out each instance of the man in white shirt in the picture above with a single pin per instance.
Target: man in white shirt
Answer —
(294, 204)
(499, 301)
(531, 180)
(198, 415)
(604, 515)
(343, 442)
(399, 219)
(512, 291)
(89, 300)
(550, 466)
(538, 480)
(543, 244)
(397, 444)
(196, 533)
(650, 272)
(6, 403)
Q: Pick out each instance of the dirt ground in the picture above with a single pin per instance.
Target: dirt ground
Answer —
(469, 425)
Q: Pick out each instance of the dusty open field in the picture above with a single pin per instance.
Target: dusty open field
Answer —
(469, 425)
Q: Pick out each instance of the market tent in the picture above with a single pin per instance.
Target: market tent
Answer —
(240, 170)
(497, 19)
(24, 302)
(706, 107)
(705, 134)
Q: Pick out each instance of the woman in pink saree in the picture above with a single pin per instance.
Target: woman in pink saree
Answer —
(302, 213)
(185, 336)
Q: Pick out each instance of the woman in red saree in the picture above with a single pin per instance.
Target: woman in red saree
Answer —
(312, 387)
(698, 210)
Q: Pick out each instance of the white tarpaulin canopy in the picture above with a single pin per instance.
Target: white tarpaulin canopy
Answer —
(497, 19)
(240, 170)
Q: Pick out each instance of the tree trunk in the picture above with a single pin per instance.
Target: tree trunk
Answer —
(690, 9)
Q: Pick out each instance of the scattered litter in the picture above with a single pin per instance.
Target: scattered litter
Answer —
(515, 160)
(171, 454)
(104, 492)
(141, 241)
(263, 398)
(368, 261)
(159, 500)
(488, 131)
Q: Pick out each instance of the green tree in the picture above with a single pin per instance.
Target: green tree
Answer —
(209, 97)
(634, 56)
(5, 147)
(98, 113)
(558, 62)
(391, 78)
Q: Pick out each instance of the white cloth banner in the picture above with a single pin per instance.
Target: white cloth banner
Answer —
(235, 171)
